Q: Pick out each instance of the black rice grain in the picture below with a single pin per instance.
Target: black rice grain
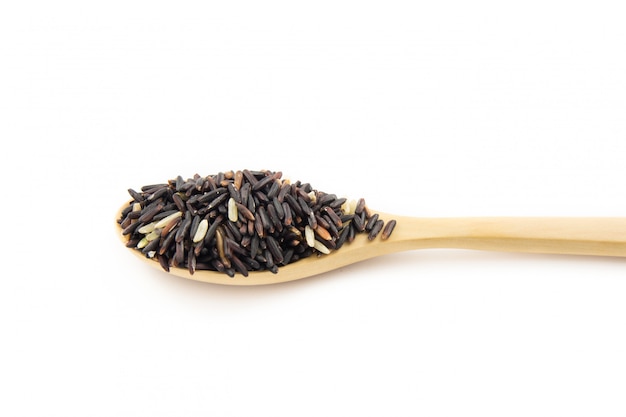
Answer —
(184, 228)
(371, 222)
(358, 222)
(391, 224)
(376, 228)
(138, 197)
(275, 249)
(149, 213)
(164, 262)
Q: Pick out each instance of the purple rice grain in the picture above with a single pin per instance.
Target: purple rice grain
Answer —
(163, 214)
(263, 182)
(125, 223)
(179, 254)
(179, 183)
(134, 215)
(170, 226)
(251, 204)
(132, 227)
(178, 201)
(217, 201)
(194, 225)
(233, 231)
(333, 216)
(321, 221)
(138, 197)
(212, 229)
(322, 233)
(238, 179)
(184, 228)
(368, 212)
(287, 256)
(191, 262)
(274, 189)
(271, 212)
(351, 234)
(220, 179)
(159, 193)
(331, 226)
(266, 258)
(278, 207)
(253, 264)
(246, 240)
(190, 208)
(251, 227)
(126, 211)
(287, 218)
(132, 243)
(211, 195)
(187, 188)
(376, 228)
(254, 245)
(250, 177)
(304, 205)
(199, 183)
(149, 189)
(294, 205)
(346, 218)
(325, 199)
(360, 205)
(312, 220)
(258, 227)
(358, 222)
(388, 229)
(149, 213)
(337, 202)
(343, 235)
(239, 266)
(261, 198)
(371, 221)
(243, 229)
(234, 193)
(265, 220)
(274, 249)
(244, 192)
(284, 189)
(198, 247)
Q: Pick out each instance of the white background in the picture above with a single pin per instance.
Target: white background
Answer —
(444, 108)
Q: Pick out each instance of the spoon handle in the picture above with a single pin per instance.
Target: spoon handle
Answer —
(600, 236)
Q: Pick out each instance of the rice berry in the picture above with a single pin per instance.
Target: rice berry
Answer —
(241, 221)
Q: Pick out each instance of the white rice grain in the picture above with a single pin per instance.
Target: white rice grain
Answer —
(155, 234)
(320, 247)
(309, 234)
(203, 226)
(148, 228)
(233, 213)
(166, 220)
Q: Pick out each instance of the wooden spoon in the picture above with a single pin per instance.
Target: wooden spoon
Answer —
(600, 236)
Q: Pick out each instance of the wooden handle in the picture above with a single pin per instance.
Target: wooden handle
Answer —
(576, 236)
